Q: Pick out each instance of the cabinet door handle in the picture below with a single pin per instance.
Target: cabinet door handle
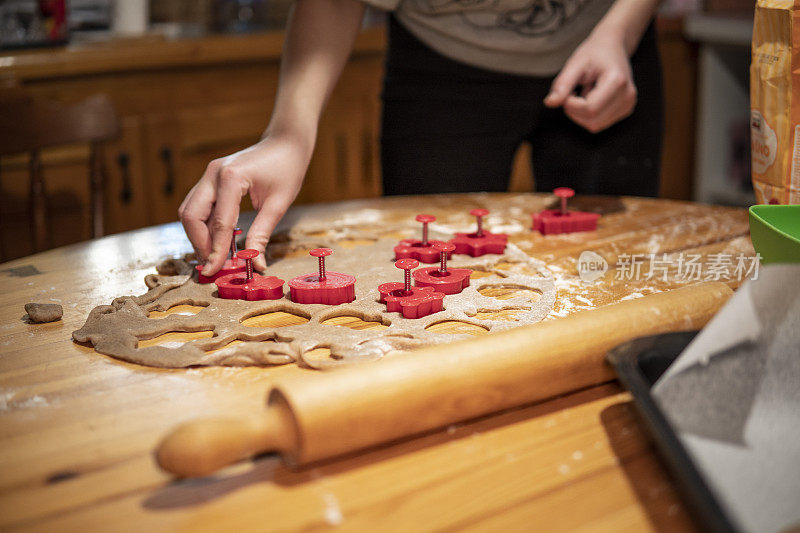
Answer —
(126, 193)
(169, 180)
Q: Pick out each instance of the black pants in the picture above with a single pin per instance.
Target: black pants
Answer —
(450, 127)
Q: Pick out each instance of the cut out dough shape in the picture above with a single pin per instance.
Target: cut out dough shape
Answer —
(116, 329)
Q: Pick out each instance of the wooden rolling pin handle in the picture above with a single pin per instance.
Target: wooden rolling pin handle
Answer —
(201, 447)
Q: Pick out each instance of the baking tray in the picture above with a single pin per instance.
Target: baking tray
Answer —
(638, 365)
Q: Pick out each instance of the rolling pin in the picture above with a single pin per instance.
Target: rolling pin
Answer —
(324, 415)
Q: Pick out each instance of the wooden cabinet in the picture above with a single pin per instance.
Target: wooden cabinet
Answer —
(126, 195)
(679, 64)
(346, 157)
(182, 104)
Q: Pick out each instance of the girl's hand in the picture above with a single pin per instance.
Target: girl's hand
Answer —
(601, 70)
(271, 172)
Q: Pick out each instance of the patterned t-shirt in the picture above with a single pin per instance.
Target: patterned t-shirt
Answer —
(532, 37)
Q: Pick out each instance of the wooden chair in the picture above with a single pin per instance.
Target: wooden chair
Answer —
(29, 124)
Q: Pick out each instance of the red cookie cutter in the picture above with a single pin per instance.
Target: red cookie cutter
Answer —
(231, 265)
(422, 250)
(411, 302)
(250, 286)
(481, 242)
(451, 281)
(554, 221)
(331, 288)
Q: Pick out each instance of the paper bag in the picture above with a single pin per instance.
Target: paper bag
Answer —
(775, 102)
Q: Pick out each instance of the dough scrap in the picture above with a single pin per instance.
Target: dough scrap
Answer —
(177, 266)
(40, 313)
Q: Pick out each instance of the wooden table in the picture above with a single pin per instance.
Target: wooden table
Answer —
(77, 429)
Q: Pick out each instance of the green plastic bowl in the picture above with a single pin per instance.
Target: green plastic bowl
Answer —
(775, 232)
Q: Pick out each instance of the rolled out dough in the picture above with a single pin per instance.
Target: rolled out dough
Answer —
(117, 328)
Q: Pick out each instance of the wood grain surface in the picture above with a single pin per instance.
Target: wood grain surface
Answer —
(77, 429)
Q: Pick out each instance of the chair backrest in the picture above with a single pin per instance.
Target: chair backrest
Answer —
(29, 124)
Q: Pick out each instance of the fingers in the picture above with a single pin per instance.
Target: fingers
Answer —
(195, 211)
(607, 95)
(271, 172)
(565, 83)
(230, 189)
(262, 227)
(611, 99)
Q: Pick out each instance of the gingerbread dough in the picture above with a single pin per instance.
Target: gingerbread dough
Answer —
(116, 329)
(40, 313)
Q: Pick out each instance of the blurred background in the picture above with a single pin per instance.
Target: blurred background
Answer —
(112, 109)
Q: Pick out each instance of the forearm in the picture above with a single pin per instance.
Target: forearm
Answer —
(627, 21)
(319, 38)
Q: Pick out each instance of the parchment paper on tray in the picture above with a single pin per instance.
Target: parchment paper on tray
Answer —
(733, 397)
